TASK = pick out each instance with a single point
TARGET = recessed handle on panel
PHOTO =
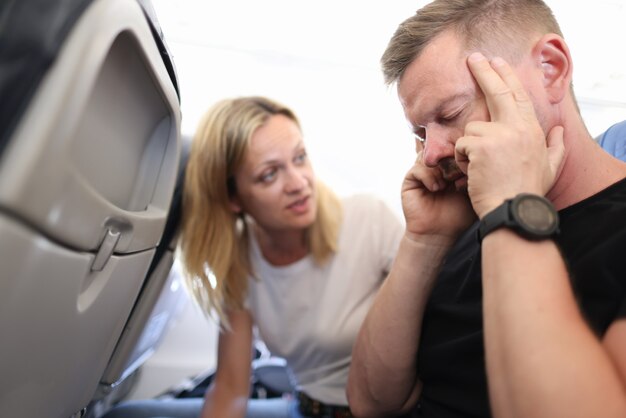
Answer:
(109, 242)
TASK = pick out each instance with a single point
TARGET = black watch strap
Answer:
(497, 218)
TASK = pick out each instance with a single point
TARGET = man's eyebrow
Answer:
(446, 102)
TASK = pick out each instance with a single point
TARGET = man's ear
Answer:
(552, 53)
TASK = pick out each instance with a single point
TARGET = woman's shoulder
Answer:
(362, 200)
(363, 206)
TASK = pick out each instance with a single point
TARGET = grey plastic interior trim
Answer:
(57, 334)
(99, 143)
(86, 182)
(160, 301)
(109, 242)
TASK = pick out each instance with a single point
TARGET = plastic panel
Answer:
(95, 153)
(161, 298)
(57, 333)
(116, 143)
(99, 144)
(160, 301)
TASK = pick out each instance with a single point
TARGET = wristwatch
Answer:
(531, 216)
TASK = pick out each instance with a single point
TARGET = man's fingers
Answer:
(420, 176)
(461, 153)
(478, 128)
(504, 92)
(556, 148)
(504, 70)
(500, 101)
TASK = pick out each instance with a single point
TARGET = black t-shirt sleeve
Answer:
(621, 313)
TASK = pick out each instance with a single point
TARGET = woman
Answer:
(288, 257)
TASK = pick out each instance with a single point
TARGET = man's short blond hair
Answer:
(495, 27)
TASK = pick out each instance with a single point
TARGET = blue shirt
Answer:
(614, 140)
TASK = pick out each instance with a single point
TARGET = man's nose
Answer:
(437, 147)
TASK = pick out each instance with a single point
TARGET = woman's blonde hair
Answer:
(214, 239)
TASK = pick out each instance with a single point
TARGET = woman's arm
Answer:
(228, 394)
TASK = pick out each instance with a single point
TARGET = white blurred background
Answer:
(321, 59)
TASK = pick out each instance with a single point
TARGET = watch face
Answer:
(535, 214)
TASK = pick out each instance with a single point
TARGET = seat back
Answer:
(161, 298)
(86, 181)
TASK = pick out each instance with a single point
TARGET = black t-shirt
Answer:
(451, 359)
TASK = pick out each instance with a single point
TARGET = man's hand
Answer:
(510, 154)
(433, 208)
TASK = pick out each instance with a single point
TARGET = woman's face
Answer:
(275, 183)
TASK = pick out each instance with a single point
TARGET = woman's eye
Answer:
(268, 176)
(300, 158)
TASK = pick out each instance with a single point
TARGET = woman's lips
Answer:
(300, 205)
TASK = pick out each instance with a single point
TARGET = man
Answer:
(511, 315)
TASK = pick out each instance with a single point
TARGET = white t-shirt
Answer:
(310, 315)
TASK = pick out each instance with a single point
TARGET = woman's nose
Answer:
(296, 180)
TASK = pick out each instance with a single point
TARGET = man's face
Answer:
(439, 97)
